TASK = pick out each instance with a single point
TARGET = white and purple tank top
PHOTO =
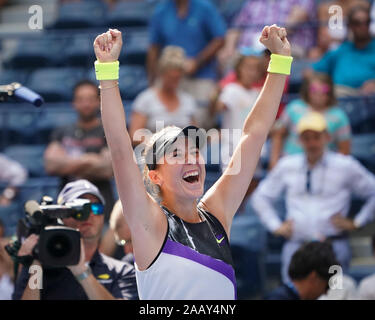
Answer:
(194, 263)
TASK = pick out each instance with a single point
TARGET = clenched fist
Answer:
(274, 38)
(107, 46)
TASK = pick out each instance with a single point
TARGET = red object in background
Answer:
(231, 77)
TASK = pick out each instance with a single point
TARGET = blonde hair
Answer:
(172, 57)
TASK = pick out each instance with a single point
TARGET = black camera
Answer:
(58, 245)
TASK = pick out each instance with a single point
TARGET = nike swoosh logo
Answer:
(220, 241)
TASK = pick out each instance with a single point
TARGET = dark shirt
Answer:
(59, 284)
(77, 141)
(284, 292)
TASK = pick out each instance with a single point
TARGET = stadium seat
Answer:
(296, 75)
(248, 243)
(80, 51)
(55, 84)
(81, 14)
(9, 76)
(247, 230)
(275, 244)
(363, 148)
(135, 49)
(36, 51)
(130, 14)
(50, 119)
(36, 188)
(19, 125)
(10, 215)
(361, 113)
(229, 8)
(29, 156)
(133, 80)
(211, 178)
(359, 272)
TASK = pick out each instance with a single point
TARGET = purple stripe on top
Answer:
(178, 249)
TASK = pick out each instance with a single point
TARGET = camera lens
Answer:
(59, 245)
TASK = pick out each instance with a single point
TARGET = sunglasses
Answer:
(96, 208)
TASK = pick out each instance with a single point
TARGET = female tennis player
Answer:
(181, 244)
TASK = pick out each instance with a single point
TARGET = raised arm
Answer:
(146, 221)
(226, 195)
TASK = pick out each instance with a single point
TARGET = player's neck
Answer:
(187, 210)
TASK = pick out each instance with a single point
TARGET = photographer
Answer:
(96, 276)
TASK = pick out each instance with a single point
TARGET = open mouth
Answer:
(191, 176)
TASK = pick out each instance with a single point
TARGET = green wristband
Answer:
(280, 64)
(107, 70)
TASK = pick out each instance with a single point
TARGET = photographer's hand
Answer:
(28, 245)
(27, 250)
(81, 266)
(82, 272)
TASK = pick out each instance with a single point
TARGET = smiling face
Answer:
(182, 173)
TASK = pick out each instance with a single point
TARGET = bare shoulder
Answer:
(148, 234)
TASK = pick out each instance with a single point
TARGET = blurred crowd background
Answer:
(208, 71)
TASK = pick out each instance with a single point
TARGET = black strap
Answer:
(12, 249)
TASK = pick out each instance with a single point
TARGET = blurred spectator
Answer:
(366, 288)
(197, 27)
(6, 268)
(237, 99)
(351, 65)
(164, 101)
(96, 276)
(80, 149)
(262, 69)
(329, 37)
(295, 15)
(117, 240)
(12, 175)
(318, 186)
(309, 273)
(317, 95)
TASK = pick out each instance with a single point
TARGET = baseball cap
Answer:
(314, 121)
(250, 51)
(168, 137)
(73, 190)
